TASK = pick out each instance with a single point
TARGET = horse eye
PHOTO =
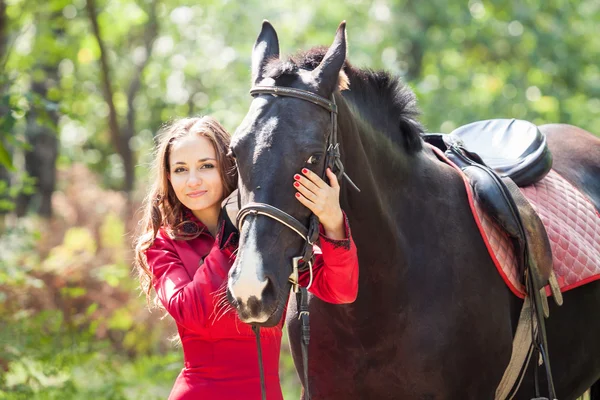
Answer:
(314, 159)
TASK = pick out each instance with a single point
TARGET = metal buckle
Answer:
(293, 279)
(295, 276)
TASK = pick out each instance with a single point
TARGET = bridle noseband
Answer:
(310, 234)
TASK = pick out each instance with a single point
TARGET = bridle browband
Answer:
(310, 234)
(333, 156)
(297, 93)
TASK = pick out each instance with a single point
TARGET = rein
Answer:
(310, 234)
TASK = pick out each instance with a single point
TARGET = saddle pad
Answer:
(572, 224)
(573, 227)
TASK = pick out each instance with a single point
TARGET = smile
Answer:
(196, 194)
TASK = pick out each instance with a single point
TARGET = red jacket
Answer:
(220, 354)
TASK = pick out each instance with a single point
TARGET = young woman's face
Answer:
(194, 174)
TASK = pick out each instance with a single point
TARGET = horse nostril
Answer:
(253, 305)
(237, 302)
(269, 289)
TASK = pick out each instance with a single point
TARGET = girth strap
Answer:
(521, 353)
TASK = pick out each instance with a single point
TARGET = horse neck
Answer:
(402, 195)
(382, 170)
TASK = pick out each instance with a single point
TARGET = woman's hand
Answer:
(323, 200)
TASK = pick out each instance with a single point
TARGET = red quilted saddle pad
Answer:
(572, 224)
(573, 227)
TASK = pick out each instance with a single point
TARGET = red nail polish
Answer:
(296, 184)
(304, 171)
(297, 177)
(298, 195)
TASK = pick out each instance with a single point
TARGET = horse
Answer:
(433, 318)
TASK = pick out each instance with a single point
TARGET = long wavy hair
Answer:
(161, 208)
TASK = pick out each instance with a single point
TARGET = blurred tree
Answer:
(122, 134)
(41, 131)
(5, 161)
(121, 75)
(3, 38)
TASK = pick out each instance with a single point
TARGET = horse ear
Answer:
(265, 48)
(328, 72)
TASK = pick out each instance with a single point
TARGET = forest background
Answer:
(86, 84)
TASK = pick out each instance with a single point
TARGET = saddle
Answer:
(498, 156)
(511, 147)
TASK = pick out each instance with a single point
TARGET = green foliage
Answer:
(17, 257)
(48, 362)
(5, 158)
(475, 60)
(63, 341)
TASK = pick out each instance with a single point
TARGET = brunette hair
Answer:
(161, 208)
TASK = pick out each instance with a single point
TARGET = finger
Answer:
(307, 183)
(306, 192)
(314, 178)
(309, 204)
(333, 180)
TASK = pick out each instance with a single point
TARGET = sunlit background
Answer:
(85, 85)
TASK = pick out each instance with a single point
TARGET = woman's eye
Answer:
(314, 160)
(207, 166)
(179, 169)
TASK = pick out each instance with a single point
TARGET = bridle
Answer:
(310, 234)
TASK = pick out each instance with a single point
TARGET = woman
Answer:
(187, 247)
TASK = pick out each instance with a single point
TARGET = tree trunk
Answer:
(4, 175)
(3, 35)
(40, 160)
(121, 135)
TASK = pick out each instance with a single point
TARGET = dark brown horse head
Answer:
(278, 137)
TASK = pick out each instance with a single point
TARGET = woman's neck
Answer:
(209, 217)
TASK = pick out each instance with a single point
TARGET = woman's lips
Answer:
(196, 194)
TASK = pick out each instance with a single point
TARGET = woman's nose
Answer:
(194, 179)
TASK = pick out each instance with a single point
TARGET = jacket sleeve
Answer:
(190, 300)
(335, 271)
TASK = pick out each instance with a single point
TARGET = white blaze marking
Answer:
(248, 284)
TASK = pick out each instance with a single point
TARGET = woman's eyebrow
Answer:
(200, 160)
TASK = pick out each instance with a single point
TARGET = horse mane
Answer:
(376, 94)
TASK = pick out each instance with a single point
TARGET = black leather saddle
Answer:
(511, 147)
(498, 156)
